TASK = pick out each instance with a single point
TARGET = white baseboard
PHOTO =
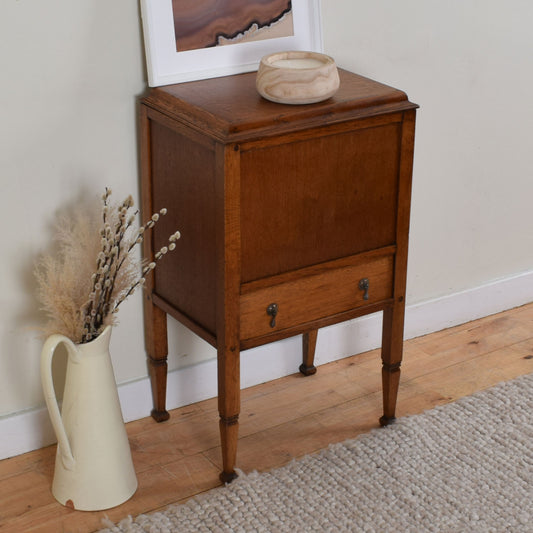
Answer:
(30, 430)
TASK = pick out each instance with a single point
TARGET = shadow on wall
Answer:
(28, 328)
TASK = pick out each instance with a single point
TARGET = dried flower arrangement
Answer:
(95, 269)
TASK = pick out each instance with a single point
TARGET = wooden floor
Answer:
(280, 420)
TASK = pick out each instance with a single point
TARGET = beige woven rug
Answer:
(464, 467)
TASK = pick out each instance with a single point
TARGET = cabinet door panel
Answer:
(306, 202)
(183, 181)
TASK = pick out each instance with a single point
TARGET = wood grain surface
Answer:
(262, 192)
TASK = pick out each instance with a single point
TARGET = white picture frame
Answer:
(166, 66)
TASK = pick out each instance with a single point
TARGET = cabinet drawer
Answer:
(314, 293)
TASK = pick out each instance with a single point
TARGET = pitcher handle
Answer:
(47, 355)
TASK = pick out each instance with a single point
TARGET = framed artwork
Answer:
(195, 39)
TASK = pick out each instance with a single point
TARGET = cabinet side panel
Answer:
(311, 201)
(183, 173)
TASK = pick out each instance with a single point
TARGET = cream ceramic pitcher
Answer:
(93, 468)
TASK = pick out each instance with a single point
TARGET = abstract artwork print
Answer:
(207, 23)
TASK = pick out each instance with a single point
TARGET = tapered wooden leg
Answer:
(307, 368)
(229, 408)
(228, 285)
(391, 354)
(155, 331)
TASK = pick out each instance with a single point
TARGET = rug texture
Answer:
(463, 467)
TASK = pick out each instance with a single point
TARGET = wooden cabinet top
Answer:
(230, 108)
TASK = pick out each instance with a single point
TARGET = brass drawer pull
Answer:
(272, 310)
(364, 285)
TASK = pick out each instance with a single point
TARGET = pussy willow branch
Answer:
(115, 260)
(151, 266)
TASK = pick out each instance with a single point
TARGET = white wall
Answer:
(71, 73)
(469, 65)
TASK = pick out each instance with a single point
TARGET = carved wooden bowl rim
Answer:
(269, 59)
(297, 84)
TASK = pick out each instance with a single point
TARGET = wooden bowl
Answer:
(297, 77)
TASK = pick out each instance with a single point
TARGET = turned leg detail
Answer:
(229, 434)
(307, 368)
(391, 380)
(229, 408)
(155, 327)
(391, 354)
(158, 379)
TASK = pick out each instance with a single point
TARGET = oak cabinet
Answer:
(292, 218)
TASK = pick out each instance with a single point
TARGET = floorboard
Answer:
(280, 420)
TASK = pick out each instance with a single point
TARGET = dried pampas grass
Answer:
(94, 269)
